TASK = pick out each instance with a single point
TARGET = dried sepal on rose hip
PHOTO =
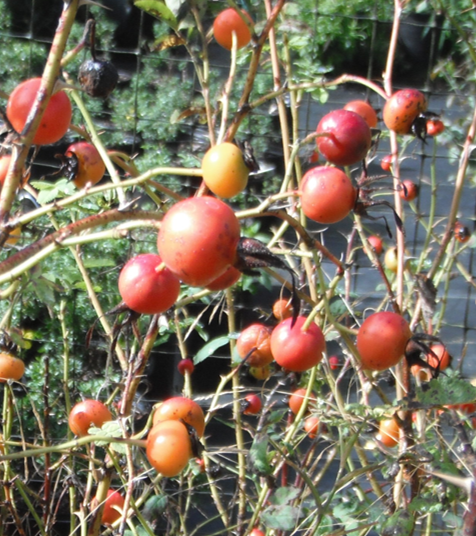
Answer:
(252, 254)
(436, 360)
(82, 164)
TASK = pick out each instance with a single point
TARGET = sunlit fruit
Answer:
(86, 414)
(327, 194)
(409, 190)
(169, 447)
(113, 506)
(376, 243)
(296, 348)
(252, 404)
(297, 399)
(226, 280)
(382, 339)
(311, 426)
(147, 286)
(198, 238)
(55, 120)
(344, 137)
(402, 108)
(224, 170)
(180, 408)
(282, 309)
(11, 367)
(389, 432)
(365, 110)
(229, 22)
(255, 338)
(84, 164)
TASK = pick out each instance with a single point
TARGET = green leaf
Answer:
(285, 495)
(154, 507)
(159, 10)
(400, 523)
(42, 185)
(446, 390)
(109, 429)
(46, 196)
(258, 455)
(99, 263)
(210, 348)
(44, 290)
(138, 531)
(283, 517)
(426, 506)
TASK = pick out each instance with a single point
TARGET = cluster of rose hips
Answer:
(177, 425)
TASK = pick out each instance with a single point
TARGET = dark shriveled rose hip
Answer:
(98, 78)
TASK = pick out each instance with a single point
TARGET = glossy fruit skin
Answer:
(227, 22)
(181, 408)
(376, 243)
(402, 108)
(390, 260)
(257, 532)
(226, 280)
(409, 190)
(169, 447)
(461, 232)
(185, 366)
(386, 162)
(365, 110)
(382, 339)
(198, 238)
(311, 426)
(297, 398)
(224, 170)
(86, 414)
(349, 137)
(327, 194)
(89, 167)
(11, 367)
(256, 336)
(114, 499)
(389, 432)
(282, 309)
(147, 286)
(294, 349)
(253, 404)
(434, 127)
(56, 118)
